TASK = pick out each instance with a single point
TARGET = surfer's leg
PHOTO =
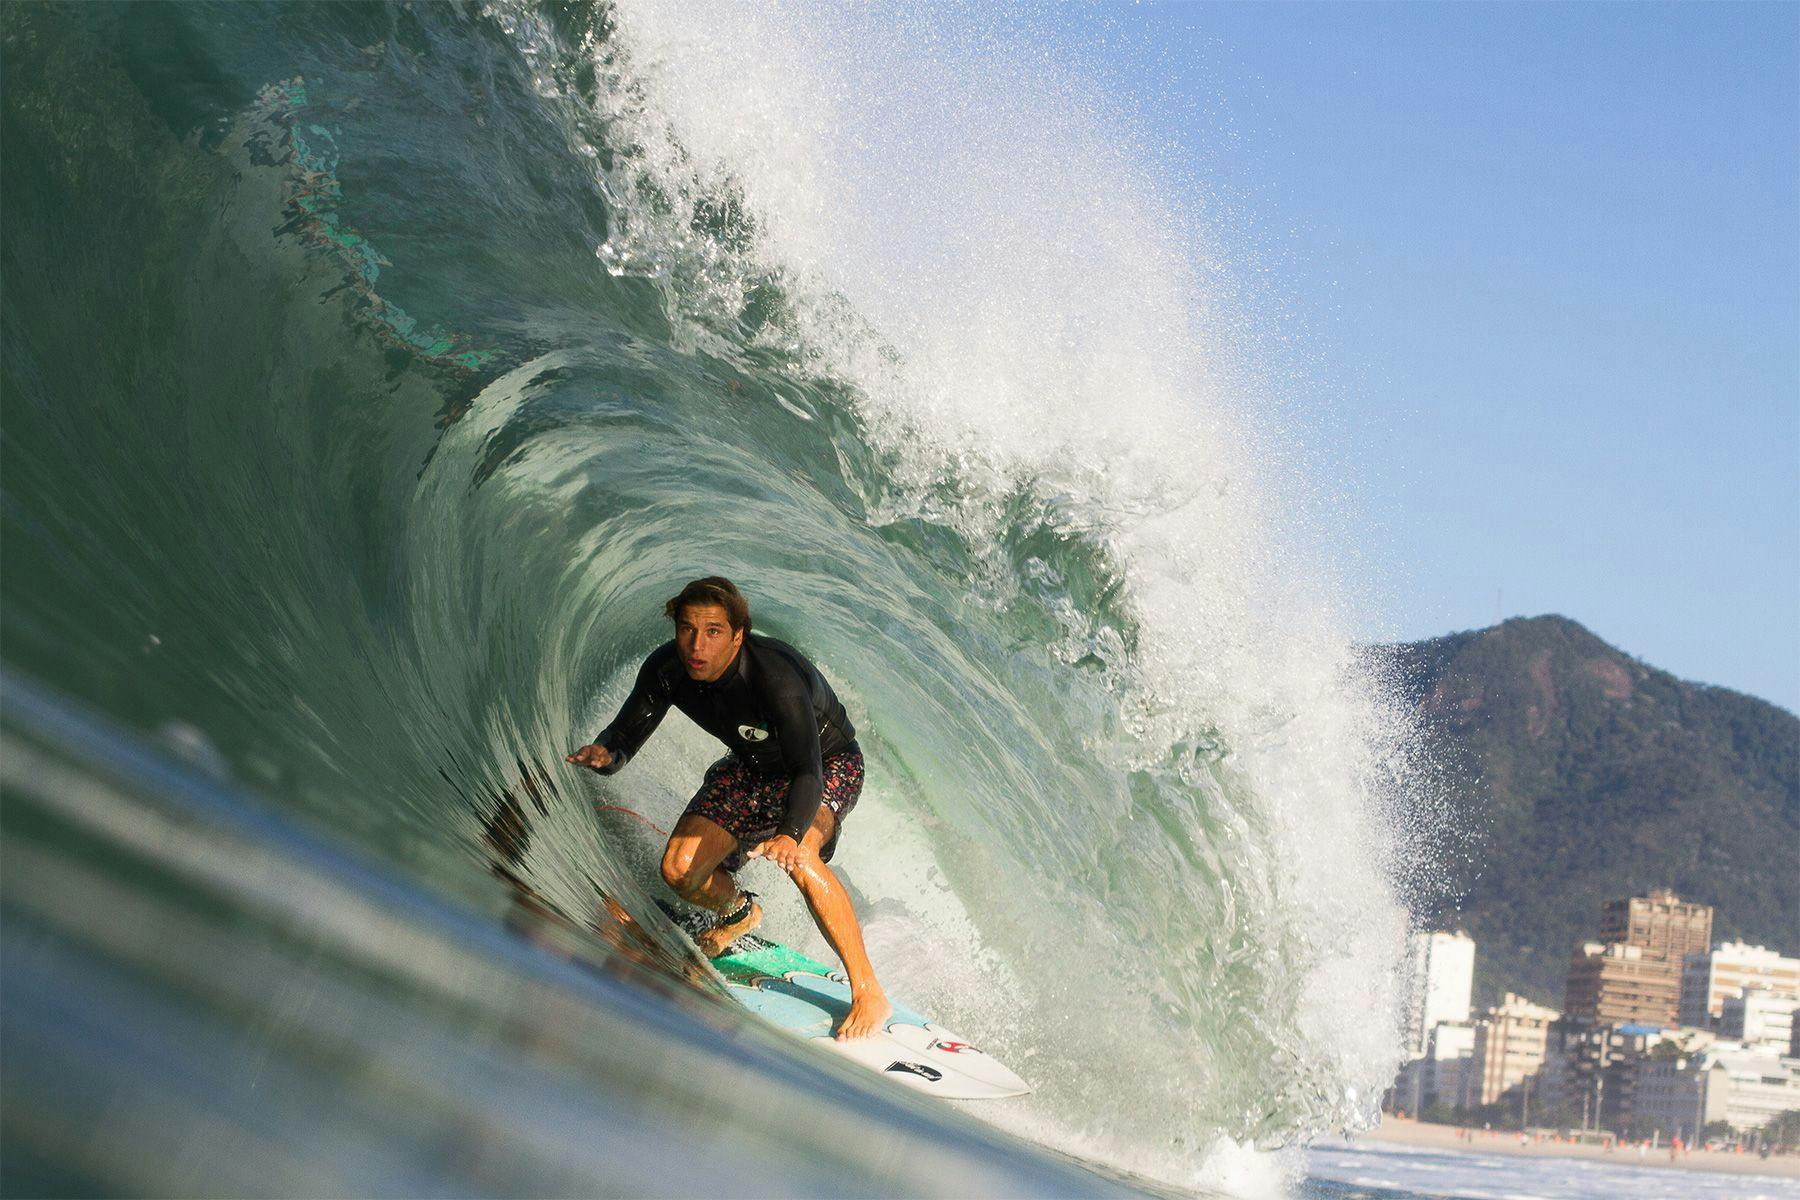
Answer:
(690, 863)
(831, 910)
(690, 866)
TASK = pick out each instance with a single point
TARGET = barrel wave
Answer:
(372, 374)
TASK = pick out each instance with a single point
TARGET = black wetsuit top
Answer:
(771, 707)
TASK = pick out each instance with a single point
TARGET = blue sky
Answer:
(1544, 264)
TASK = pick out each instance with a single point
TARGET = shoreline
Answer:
(1403, 1131)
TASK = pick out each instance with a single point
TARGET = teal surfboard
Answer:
(808, 999)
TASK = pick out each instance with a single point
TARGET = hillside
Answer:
(1586, 775)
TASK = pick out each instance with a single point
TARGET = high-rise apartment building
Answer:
(1662, 923)
(1618, 984)
(1443, 966)
(1710, 978)
(1508, 1050)
(1601, 1067)
(1633, 974)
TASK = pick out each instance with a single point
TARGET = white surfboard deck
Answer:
(809, 999)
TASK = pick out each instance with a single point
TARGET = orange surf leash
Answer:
(620, 808)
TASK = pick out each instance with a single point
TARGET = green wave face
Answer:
(372, 374)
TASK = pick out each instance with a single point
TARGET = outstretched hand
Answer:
(595, 757)
(781, 850)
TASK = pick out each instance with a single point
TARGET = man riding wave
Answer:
(794, 773)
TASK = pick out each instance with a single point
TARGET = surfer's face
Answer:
(706, 641)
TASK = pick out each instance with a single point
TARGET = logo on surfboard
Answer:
(919, 1069)
(953, 1047)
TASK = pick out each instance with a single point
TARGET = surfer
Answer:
(793, 775)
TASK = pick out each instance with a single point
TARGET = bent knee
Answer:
(679, 870)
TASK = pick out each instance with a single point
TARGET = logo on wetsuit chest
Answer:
(751, 733)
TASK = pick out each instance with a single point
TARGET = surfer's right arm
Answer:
(594, 756)
(638, 717)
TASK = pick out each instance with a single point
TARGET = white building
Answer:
(1436, 1077)
(1447, 1059)
(1760, 1019)
(1443, 979)
(1744, 1088)
(1708, 980)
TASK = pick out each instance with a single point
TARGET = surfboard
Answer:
(808, 998)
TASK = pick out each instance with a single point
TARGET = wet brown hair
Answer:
(714, 589)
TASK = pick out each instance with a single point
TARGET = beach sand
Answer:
(1449, 1137)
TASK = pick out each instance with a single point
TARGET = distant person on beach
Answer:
(793, 775)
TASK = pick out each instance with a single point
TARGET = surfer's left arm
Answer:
(797, 727)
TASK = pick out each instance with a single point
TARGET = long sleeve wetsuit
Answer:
(771, 708)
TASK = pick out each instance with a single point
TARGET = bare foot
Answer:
(868, 1013)
(718, 939)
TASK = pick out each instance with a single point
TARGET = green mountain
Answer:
(1577, 774)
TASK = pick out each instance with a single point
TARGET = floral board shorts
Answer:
(750, 806)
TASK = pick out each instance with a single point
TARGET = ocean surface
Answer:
(1364, 1170)
(371, 375)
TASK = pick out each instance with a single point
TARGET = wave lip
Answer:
(1053, 364)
